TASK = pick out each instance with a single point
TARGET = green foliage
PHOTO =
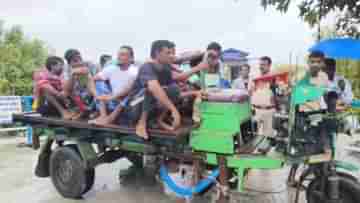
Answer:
(311, 11)
(351, 71)
(19, 57)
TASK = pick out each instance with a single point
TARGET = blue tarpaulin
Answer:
(344, 48)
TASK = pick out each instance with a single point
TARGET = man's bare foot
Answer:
(68, 115)
(77, 116)
(141, 131)
(101, 120)
(162, 123)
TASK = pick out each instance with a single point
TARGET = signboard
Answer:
(8, 106)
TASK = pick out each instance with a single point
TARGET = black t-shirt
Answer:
(148, 72)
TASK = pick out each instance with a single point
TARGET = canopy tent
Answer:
(234, 55)
(233, 58)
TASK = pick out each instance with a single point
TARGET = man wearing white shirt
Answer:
(121, 76)
(338, 83)
(343, 88)
(242, 82)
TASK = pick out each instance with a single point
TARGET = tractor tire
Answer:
(68, 172)
(90, 173)
(349, 190)
(90, 180)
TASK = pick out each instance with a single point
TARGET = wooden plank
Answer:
(28, 118)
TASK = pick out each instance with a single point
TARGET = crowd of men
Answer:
(121, 91)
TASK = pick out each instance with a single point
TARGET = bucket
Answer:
(262, 185)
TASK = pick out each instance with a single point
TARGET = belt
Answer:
(264, 107)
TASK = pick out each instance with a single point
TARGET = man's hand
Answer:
(80, 71)
(105, 98)
(177, 118)
(204, 66)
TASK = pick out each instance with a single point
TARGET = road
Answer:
(18, 183)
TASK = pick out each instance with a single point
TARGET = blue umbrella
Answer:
(339, 48)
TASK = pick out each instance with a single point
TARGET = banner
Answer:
(8, 106)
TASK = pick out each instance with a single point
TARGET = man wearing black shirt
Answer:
(155, 80)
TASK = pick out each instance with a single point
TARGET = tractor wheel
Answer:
(68, 173)
(90, 180)
(349, 190)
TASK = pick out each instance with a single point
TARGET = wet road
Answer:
(18, 184)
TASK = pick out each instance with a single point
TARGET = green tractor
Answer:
(225, 143)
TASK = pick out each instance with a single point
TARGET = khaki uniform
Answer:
(262, 101)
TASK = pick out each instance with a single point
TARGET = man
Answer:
(216, 74)
(315, 77)
(104, 60)
(121, 77)
(155, 81)
(338, 83)
(77, 78)
(242, 82)
(262, 99)
(343, 88)
(48, 87)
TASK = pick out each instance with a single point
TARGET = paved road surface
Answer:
(18, 184)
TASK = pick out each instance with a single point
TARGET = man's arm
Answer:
(51, 90)
(158, 92)
(187, 56)
(91, 86)
(124, 93)
(185, 75)
(68, 87)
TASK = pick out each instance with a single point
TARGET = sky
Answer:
(101, 27)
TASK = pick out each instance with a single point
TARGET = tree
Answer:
(312, 11)
(19, 57)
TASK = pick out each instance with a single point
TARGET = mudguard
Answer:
(42, 165)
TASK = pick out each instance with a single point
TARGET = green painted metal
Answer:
(346, 165)
(133, 146)
(220, 122)
(86, 150)
(213, 141)
(248, 161)
(241, 174)
(305, 93)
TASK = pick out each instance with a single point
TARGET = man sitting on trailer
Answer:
(181, 78)
(121, 77)
(48, 87)
(77, 80)
(155, 87)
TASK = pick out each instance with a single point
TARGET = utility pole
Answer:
(319, 20)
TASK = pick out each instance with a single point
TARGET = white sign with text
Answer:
(8, 106)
